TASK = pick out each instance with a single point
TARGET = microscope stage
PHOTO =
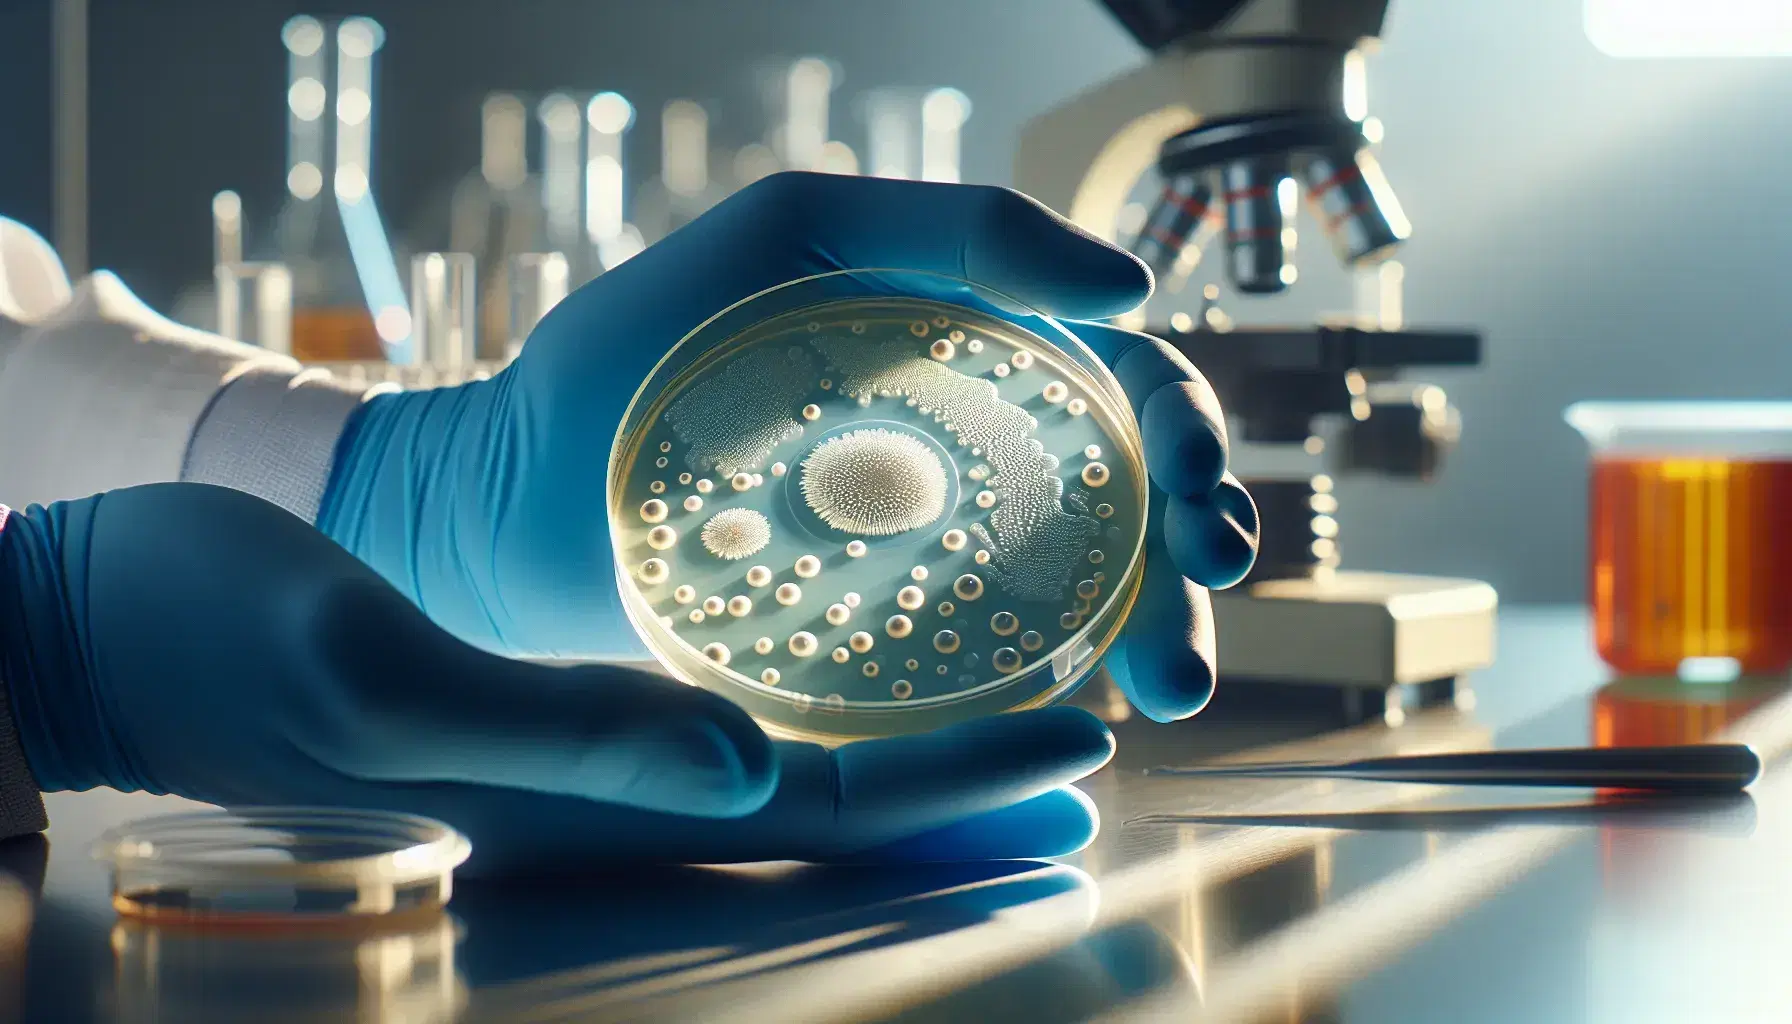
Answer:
(1355, 629)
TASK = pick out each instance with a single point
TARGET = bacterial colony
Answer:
(866, 506)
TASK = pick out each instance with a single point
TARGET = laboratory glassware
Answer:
(280, 866)
(684, 187)
(348, 298)
(1689, 560)
(538, 281)
(496, 212)
(444, 324)
(876, 502)
(254, 304)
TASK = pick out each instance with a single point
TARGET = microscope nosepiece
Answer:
(1352, 199)
(1174, 223)
(1259, 228)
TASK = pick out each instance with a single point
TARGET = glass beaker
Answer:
(254, 304)
(1689, 560)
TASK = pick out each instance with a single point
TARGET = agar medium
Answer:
(917, 511)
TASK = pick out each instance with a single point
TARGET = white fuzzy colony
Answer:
(736, 533)
(874, 482)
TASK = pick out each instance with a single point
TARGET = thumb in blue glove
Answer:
(186, 639)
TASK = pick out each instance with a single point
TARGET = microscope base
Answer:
(1363, 645)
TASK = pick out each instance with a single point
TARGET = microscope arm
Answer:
(1083, 158)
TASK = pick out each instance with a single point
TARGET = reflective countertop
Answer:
(1268, 900)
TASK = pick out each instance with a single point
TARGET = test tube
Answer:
(562, 132)
(684, 148)
(227, 228)
(444, 335)
(538, 281)
(255, 304)
(503, 137)
(307, 98)
(891, 131)
(943, 114)
(807, 87)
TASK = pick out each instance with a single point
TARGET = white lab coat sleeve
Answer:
(108, 394)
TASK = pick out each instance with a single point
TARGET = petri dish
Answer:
(281, 866)
(869, 503)
(1688, 559)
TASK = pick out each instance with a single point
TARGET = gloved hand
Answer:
(187, 639)
(486, 503)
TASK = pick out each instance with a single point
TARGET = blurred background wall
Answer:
(1615, 227)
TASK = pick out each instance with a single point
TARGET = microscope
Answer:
(1242, 106)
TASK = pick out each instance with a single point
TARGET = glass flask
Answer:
(878, 502)
(1689, 561)
(348, 298)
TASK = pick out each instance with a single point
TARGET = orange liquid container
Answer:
(335, 335)
(1690, 558)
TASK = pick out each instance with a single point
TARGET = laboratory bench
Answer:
(1264, 900)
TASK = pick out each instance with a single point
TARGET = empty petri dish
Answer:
(281, 866)
(915, 500)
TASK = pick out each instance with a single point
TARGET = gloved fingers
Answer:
(994, 237)
(1057, 823)
(882, 790)
(1180, 419)
(1165, 661)
(420, 705)
(829, 804)
(1212, 539)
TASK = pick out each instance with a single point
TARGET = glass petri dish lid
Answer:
(877, 502)
(281, 866)
(1711, 429)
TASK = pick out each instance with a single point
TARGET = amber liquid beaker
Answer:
(1690, 555)
(334, 335)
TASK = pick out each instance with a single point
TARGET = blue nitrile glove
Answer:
(486, 503)
(181, 638)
